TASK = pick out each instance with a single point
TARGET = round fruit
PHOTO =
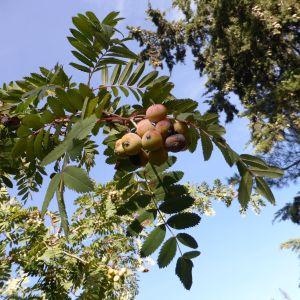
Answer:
(131, 143)
(143, 126)
(176, 143)
(156, 112)
(152, 140)
(140, 159)
(158, 157)
(165, 127)
(116, 278)
(119, 150)
(181, 127)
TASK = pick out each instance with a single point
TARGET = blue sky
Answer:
(241, 259)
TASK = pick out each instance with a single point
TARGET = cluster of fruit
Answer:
(155, 136)
(116, 275)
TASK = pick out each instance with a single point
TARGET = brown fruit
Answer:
(152, 140)
(156, 112)
(158, 157)
(165, 127)
(131, 143)
(140, 159)
(176, 143)
(143, 126)
(182, 128)
(119, 150)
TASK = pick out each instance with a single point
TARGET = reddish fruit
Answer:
(152, 140)
(119, 150)
(143, 126)
(165, 127)
(156, 112)
(176, 143)
(140, 159)
(131, 143)
(158, 157)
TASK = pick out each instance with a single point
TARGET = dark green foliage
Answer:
(48, 120)
(246, 48)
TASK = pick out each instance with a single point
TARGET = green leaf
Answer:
(104, 72)
(62, 212)
(126, 73)
(23, 131)
(176, 205)
(184, 271)
(179, 106)
(187, 240)
(147, 79)
(184, 220)
(100, 108)
(136, 74)
(56, 107)
(191, 254)
(207, 145)
(245, 189)
(79, 131)
(137, 225)
(253, 161)
(230, 156)
(32, 121)
(167, 252)
(115, 74)
(271, 172)
(80, 67)
(19, 147)
(77, 179)
(137, 201)
(83, 59)
(53, 186)
(37, 146)
(153, 241)
(263, 188)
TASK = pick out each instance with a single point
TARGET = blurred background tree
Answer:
(245, 48)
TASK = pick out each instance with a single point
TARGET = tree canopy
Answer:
(245, 48)
(50, 127)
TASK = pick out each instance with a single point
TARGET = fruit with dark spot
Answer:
(158, 157)
(132, 143)
(119, 150)
(175, 143)
(12, 122)
(156, 112)
(182, 128)
(152, 140)
(140, 159)
(143, 126)
(165, 127)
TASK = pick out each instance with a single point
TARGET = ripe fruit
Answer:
(156, 112)
(158, 157)
(143, 126)
(181, 127)
(175, 143)
(140, 159)
(119, 150)
(131, 143)
(165, 127)
(152, 140)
